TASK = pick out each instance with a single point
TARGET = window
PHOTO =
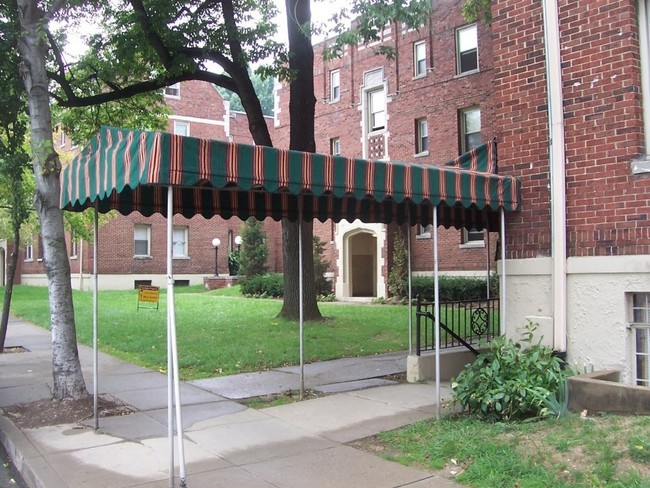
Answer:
(419, 59)
(376, 110)
(181, 128)
(470, 129)
(472, 238)
(142, 238)
(179, 241)
(73, 246)
(335, 85)
(173, 91)
(29, 252)
(335, 146)
(467, 49)
(641, 327)
(62, 141)
(423, 231)
(421, 136)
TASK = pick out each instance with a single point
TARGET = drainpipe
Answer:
(557, 172)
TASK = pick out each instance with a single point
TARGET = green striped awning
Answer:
(128, 170)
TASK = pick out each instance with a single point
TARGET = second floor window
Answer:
(419, 59)
(421, 136)
(335, 146)
(376, 110)
(29, 252)
(142, 240)
(470, 129)
(335, 85)
(467, 49)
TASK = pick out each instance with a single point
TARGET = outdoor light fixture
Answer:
(238, 241)
(215, 243)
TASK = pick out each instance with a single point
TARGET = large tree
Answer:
(34, 18)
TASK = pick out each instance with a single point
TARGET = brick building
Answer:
(132, 248)
(579, 252)
(429, 104)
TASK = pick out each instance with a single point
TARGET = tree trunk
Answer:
(302, 107)
(9, 288)
(66, 368)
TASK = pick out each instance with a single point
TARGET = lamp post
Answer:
(215, 243)
(238, 241)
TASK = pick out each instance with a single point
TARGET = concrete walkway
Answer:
(226, 444)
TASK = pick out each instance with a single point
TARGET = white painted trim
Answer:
(183, 118)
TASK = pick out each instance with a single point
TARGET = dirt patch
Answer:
(13, 349)
(42, 413)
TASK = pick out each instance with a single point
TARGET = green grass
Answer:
(220, 332)
(571, 452)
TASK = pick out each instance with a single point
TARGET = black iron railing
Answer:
(464, 323)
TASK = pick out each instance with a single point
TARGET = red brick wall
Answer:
(607, 206)
(438, 96)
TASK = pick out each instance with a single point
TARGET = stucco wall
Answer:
(597, 306)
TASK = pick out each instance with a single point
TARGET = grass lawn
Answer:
(572, 452)
(220, 332)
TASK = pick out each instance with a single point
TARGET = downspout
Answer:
(557, 172)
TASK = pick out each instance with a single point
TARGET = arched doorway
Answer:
(362, 252)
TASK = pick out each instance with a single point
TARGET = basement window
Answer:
(640, 322)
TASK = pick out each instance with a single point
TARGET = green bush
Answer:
(254, 252)
(454, 288)
(233, 262)
(509, 382)
(323, 285)
(263, 286)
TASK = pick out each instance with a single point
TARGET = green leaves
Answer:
(511, 382)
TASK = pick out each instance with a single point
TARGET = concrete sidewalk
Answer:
(226, 444)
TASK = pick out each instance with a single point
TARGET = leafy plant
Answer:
(263, 286)
(254, 251)
(398, 275)
(455, 288)
(323, 285)
(510, 381)
(556, 404)
(233, 262)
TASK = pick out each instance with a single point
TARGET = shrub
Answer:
(263, 286)
(454, 288)
(254, 251)
(509, 382)
(233, 262)
(398, 275)
(323, 285)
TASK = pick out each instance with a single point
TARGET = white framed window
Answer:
(179, 241)
(472, 238)
(335, 146)
(73, 246)
(173, 91)
(470, 129)
(335, 85)
(181, 128)
(423, 231)
(421, 136)
(640, 322)
(419, 59)
(29, 252)
(62, 139)
(142, 240)
(467, 49)
(376, 103)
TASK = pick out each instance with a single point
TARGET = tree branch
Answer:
(154, 39)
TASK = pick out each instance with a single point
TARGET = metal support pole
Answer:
(502, 281)
(410, 292)
(436, 301)
(301, 300)
(95, 317)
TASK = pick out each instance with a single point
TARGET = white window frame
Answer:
(639, 315)
(73, 246)
(466, 44)
(468, 238)
(423, 231)
(29, 252)
(644, 51)
(335, 146)
(335, 85)
(172, 91)
(421, 136)
(375, 97)
(464, 131)
(419, 59)
(147, 230)
(181, 127)
(180, 244)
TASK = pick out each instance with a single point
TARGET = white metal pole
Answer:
(301, 300)
(487, 254)
(410, 297)
(171, 319)
(502, 281)
(436, 301)
(95, 315)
